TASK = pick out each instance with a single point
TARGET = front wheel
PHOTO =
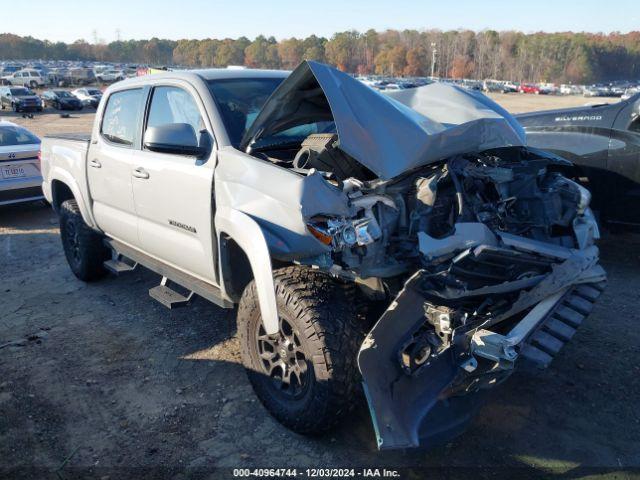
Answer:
(306, 375)
(82, 246)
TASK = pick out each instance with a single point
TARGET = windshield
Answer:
(239, 101)
(295, 134)
(20, 92)
(63, 94)
(94, 92)
(11, 135)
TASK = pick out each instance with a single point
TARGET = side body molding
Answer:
(249, 236)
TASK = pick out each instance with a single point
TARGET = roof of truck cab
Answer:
(204, 74)
(225, 73)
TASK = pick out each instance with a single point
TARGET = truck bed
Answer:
(77, 137)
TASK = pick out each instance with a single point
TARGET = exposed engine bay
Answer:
(481, 230)
(482, 250)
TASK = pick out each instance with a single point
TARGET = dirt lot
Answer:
(97, 378)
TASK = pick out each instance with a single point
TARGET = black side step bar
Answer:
(163, 293)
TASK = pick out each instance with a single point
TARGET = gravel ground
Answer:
(98, 378)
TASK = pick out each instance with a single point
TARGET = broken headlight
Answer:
(341, 233)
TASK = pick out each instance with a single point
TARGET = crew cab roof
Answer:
(204, 74)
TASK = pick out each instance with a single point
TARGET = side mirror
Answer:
(174, 138)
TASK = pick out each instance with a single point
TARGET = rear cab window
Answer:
(121, 117)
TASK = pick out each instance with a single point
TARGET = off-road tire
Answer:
(82, 246)
(322, 312)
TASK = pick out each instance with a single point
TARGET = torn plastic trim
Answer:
(502, 348)
(465, 235)
(437, 401)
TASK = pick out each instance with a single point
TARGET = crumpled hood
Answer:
(387, 133)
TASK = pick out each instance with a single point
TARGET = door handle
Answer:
(95, 163)
(141, 173)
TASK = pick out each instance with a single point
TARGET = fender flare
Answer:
(66, 178)
(246, 232)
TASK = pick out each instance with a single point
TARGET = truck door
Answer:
(624, 165)
(110, 163)
(173, 192)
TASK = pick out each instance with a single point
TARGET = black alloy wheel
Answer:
(283, 359)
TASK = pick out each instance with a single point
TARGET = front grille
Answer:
(486, 265)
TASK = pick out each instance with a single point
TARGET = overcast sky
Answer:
(69, 20)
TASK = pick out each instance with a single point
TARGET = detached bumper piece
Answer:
(560, 326)
(431, 398)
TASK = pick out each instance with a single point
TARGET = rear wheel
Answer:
(82, 246)
(306, 375)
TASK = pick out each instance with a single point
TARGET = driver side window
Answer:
(635, 125)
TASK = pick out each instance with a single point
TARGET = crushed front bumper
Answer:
(435, 403)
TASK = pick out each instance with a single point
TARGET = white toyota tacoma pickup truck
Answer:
(409, 246)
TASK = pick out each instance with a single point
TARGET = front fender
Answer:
(249, 236)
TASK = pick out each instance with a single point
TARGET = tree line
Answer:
(509, 55)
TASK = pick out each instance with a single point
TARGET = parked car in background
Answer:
(19, 99)
(61, 100)
(27, 77)
(566, 89)
(59, 77)
(510, 87)
(90, 97)
(530, 88)
(81, 76)
(597, 91)
(110, 76)
(548, 89)
(630, 92)
(8, 70)
(20, 178)
(498, 86)
(493, 86)
(603, 142)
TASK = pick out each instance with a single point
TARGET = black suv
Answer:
(19, 99)
(61, 100)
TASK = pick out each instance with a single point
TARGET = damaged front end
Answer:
(482, 249)
(507, 270)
